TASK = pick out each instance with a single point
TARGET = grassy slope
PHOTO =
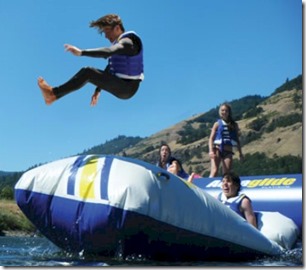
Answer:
(12, 220)
(281, 142)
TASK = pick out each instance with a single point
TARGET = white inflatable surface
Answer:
(59, 198)
(278, 228)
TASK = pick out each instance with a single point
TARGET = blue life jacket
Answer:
(233, 203)
(225, 136)
(127, 67)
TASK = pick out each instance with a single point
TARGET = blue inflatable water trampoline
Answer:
(103, 204)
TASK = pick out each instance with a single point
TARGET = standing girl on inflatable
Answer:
(224, 136)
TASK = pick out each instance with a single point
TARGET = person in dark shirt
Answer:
(121, 77)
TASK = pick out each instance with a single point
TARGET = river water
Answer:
(39, 251)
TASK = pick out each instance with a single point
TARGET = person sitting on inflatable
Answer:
(234, 199)
(170, 163)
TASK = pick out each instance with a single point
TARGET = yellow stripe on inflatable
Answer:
(88, 179)
(188, 184)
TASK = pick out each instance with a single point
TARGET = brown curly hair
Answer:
(234, 177)
(107, 20)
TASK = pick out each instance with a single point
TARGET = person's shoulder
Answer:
(244, 198)
(131, 37)
(132, 33)
(216, 124)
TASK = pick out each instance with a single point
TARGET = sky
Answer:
(197, 54)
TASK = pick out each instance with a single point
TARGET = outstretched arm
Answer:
(103, 52)
(74, 50)
(124, 46)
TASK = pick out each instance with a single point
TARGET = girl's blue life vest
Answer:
(127, 67)
(225, 136)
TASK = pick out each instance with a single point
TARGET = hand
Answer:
(94, 98)
(74, 50)
(191, 177)
(212, 154)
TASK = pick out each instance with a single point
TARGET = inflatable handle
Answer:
(163, 175)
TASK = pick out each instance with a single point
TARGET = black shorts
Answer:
(225, 153)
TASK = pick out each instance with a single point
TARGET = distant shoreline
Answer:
(17, 233)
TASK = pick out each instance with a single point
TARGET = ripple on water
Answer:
(38, 251)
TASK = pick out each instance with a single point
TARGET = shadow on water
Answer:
(38, 251)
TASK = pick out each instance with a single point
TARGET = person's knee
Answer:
(86, 69)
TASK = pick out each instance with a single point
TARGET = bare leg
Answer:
(227, 164)
(214, 164)
(46, 90)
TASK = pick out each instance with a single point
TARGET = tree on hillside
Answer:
(294, 84)
(7, 193)
(260, 164)
(113, 146)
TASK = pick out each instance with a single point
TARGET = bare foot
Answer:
(46, 90)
